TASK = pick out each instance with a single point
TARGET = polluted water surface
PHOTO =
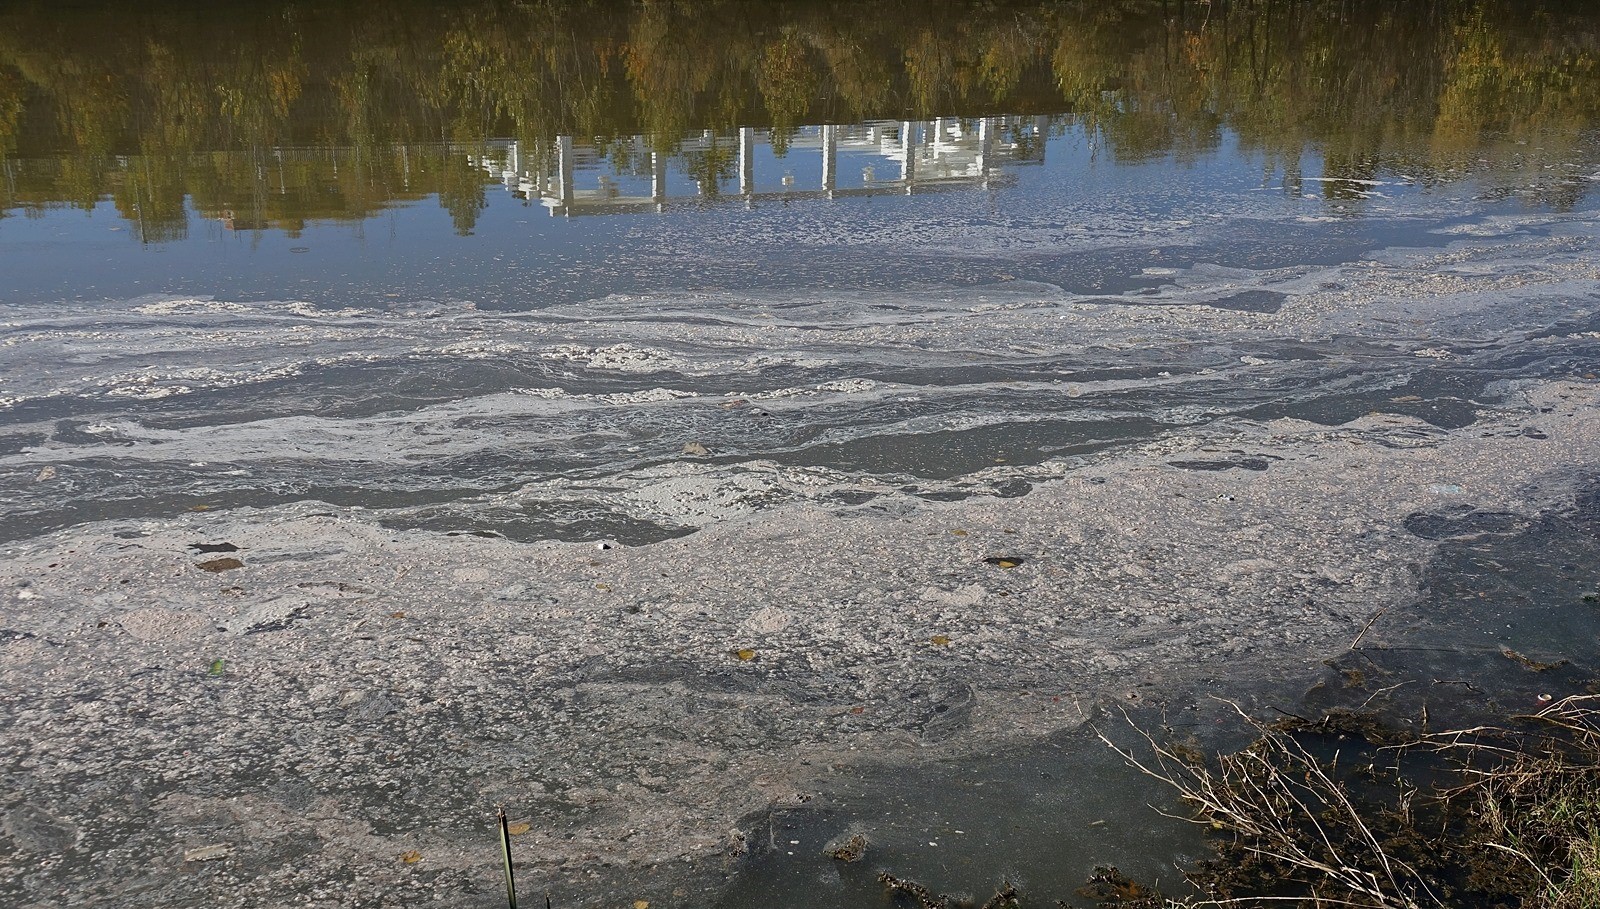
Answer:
(763, 446)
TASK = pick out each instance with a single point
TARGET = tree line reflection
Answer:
(293, 112)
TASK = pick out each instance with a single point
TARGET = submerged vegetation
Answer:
(150, 105)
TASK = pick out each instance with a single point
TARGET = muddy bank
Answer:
(322, 698)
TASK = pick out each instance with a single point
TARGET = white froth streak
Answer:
(522, 418)
(157, 348)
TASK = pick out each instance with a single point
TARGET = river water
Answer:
(974, 370)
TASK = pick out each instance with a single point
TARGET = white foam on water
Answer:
(811, 368)
(176, 306)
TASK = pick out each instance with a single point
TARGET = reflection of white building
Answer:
(873, 158)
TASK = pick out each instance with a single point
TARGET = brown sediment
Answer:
(1529, 662)
(1109, 888)
(851, 850)
(1004, 898)
(924, 897)
(219, 565)
(1366, 725)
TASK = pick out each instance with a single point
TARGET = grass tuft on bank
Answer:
(1339, 813)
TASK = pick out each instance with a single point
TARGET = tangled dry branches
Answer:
(1283, 805)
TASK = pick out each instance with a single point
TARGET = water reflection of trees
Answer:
(150, 104)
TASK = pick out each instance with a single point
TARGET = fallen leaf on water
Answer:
(218, 667)
(200, 508)
(744, 654)
(958, 532)
(207, 853)
(518, 829)
(411, 856)
(216, 565)
(940, 640)
(641, 904)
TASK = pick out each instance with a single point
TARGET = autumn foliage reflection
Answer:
(291, 112)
